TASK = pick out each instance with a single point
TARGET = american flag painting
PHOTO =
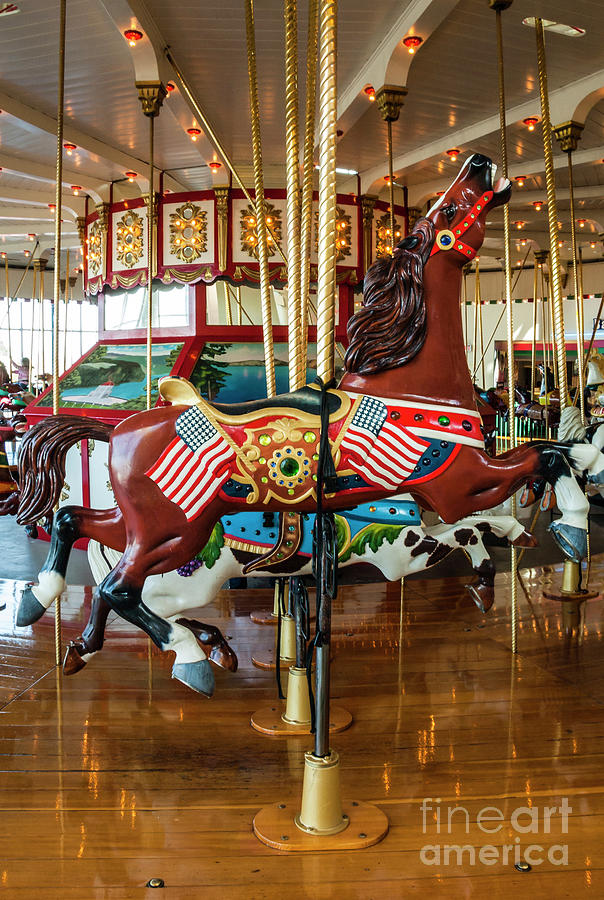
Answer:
(379, 449)
(195, 465)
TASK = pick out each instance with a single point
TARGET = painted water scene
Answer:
(230, 373)
(114, 376)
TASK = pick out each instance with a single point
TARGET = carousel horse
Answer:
(388, 536)
(403, 419)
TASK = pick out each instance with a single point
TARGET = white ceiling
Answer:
(451, 101)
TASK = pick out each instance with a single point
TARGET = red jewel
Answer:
(395, 415)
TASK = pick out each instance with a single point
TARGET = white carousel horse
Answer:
(376, 538)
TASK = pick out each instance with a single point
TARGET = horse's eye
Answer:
(450, 211)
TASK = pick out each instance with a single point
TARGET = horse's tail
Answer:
(42, 461)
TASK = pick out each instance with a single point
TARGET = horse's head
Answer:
(459, 216)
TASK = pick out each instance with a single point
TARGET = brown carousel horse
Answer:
(404, 418)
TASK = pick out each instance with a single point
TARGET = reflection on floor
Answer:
(119, 774)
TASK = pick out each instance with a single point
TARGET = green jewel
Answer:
(289, 467)
(290, 491)
(314, 478)
(309, 437)
(315, 456)
(264, 439)
(264, 479)
(443, 420)
(262, 460)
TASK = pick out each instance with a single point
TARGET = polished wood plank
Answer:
(119, 773)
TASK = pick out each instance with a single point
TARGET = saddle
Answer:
(279, 450)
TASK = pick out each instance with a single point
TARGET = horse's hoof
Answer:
(527, 497)
(482, 595)
(197, 675)
(571, 540)
(548, 500)
(597, 479)
(224, 657)
(73, 661)
(526, 539)
(30, 608)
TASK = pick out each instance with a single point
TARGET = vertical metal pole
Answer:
(509, 306)
(57, 269)
(66, 302)
(10, 349)
(534, 342)
(326, 289)
(576, 288)
(391, 184)
(150, 233)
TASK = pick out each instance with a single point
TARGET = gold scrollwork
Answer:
(383, 243)
(95, 247)
(343, 238)
(249, 229)
(188, 232)
(129, 244)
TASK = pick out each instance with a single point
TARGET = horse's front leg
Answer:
(69, 524)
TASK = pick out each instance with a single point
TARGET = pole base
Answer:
(269, 720)
(265, 659)
(570, 596)
(263, 617)
(275, 826)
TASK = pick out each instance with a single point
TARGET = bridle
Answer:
(451, 240)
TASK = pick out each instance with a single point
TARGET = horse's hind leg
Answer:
(212, 639)
(70, 523)
(122, 591)
(92, 638)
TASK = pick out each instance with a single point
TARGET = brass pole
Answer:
(10, 349)
(57, 269)
(391, 183)
(227, 305)
(509, 304)
(150, 234)
(534, 342)
(578, 293)
(475, 338)
(218, 143)
(65, 322)
(465, 311)
(43, 329)
(308, 176)
(240, 309)
(297, 368)
(582, 304)
(31, 334)
(552, 214)
(326, 280)
(265, 286)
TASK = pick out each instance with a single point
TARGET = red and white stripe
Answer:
(386, 460)
(192, 478)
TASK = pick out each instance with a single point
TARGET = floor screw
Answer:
(155, 883)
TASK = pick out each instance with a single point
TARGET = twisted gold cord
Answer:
(265, 287)
(326, 281)
(534, 342)
(552, 215)
(308, 177)
(297, 370)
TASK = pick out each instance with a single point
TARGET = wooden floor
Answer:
(119, 774)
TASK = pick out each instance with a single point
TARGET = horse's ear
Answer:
(408, 243)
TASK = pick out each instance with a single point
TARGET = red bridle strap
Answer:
(451, 240)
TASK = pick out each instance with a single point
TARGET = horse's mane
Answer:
(390, 328)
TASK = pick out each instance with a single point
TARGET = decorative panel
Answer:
(188, 233)
(129, 239)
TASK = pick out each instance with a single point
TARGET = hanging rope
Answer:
(308, 176)
(265, 286)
